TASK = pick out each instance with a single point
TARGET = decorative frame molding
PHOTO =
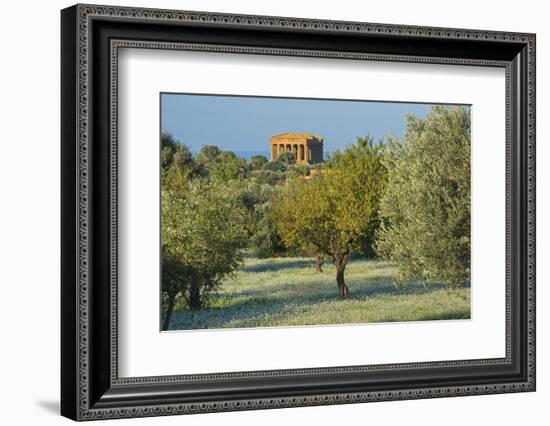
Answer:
(91, 37)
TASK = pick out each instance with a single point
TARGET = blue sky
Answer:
(239, 123)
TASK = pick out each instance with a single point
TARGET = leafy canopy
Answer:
(202, 234)
(333, 210)
(426, 206)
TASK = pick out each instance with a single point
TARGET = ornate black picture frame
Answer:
(91, 36)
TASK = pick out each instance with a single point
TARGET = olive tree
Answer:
(425, 209)
(202, 237)
(178, 166)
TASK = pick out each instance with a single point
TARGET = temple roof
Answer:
(292, 135)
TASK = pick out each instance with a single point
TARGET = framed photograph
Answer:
(263, 212)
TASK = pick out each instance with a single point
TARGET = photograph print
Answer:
(279, 212)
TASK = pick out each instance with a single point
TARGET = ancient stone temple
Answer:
(306, 147)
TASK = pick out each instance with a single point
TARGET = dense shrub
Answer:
(425, 209)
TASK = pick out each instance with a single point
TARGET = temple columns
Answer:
(301, 151)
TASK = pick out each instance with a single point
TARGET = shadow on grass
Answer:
(253, 306)
(222, 317)
(281, 263)
(459, 314)
(278, 265)
(359, 289)
(249, 314)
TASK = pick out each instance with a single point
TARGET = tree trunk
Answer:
(195, 297)
(340, 263)
(319, 262)
(171, 303)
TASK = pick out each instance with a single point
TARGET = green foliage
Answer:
(286, 157)
(177, 165)
(212, 208)
(202, 237)
(167, 149)
(357, 179)
(228, 167)
(208, 155)
(267, 177)
(297, 170)
(275, 166)
(221, 165)
(426, 205)
(257, 162)
(265, 241)
(333, 210)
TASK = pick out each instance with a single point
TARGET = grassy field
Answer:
(288, 292)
